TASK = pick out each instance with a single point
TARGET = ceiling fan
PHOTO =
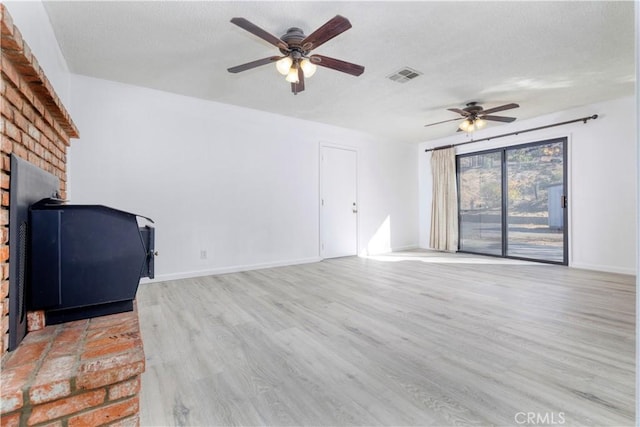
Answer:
(475, 116)
(296, 62)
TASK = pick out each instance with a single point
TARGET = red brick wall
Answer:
(34, 125)
(81, 373)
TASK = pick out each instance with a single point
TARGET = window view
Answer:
(480, 206)
(535, 225)
(525, 221)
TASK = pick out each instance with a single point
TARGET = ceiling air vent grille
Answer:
(404, 75)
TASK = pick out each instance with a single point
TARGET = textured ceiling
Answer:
(545, 56)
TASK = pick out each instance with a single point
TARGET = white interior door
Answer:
(338, 204)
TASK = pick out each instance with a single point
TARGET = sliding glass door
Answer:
(536, 202)
(480, 203)
(512, 202)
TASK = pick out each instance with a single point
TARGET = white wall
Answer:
(637, 25)
(602, 180)
(240, 184)
(33, 22)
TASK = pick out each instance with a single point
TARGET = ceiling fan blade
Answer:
(253, 64)
(333, 27)
(444, 121)
(337, 64)
(500, 108)
(498, 118)
(459, 111)
(257, 31)
(298, 87)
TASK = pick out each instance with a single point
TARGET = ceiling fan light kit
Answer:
(292, 74)
(470, 125)
(284, 65)
(308, 67)
(297, 62)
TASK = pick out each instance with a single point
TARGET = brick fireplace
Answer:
(85, 372)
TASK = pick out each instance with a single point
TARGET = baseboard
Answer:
(226, 270)
(604, 268)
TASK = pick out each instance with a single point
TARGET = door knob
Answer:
(354, 208)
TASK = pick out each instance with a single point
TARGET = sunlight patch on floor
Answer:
(442, 258)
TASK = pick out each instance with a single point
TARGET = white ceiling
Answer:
(545, 56)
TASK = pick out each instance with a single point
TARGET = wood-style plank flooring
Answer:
(414, 338)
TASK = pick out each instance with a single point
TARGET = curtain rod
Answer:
(583, 119)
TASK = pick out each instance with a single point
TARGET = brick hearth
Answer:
(85, 372)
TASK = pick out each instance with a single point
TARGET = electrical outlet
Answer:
(203, 254)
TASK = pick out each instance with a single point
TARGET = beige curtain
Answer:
(444, 205)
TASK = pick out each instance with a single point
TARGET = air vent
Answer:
(404, 75)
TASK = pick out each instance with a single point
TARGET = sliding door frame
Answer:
(505, 201)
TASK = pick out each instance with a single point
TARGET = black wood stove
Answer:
(86, 260)
(72, 261)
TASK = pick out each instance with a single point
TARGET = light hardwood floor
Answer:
(413, 338)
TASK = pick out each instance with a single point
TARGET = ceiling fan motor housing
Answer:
(473, 108)
(293, 37)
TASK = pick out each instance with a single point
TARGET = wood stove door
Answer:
(149, 240)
